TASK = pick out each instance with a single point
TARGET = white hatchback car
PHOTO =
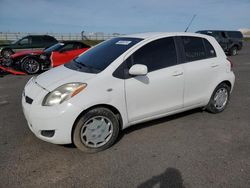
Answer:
(125, 81)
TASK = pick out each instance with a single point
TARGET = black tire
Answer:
(213, 106)
(6, 52)
(233, 51)
(30, 65)
(87, 120)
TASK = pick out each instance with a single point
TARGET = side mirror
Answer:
(138, 70)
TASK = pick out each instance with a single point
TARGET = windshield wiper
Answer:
(80, 65)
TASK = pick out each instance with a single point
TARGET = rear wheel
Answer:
(233, 51)
(96, 130)
(30, 65)
(219, 99)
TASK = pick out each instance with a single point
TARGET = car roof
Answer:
(163, 34)
(211, 30)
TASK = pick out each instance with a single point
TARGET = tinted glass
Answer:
(49, 39)
(156, 55)
(82, 45)
(102, 55)
(24, 41)
(209, 49)
(36, 40)
(55, 47)
(235, 34)
(68, 47)
(194, 48)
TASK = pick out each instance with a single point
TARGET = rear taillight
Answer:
(231, 63)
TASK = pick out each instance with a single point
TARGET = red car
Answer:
(33, 61)
(66, 54)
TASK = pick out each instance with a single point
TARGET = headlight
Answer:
(63, 93)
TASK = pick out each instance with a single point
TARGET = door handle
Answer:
(177, 73)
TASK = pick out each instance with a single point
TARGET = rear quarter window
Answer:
(209, 49)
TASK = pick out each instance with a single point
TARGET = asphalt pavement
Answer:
(191, 149)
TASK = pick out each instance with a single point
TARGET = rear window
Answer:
(49, 39)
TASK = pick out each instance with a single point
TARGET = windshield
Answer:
(16, 41)
(101, 56)
(54, 47)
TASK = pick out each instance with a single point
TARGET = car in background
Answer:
(125, 81)
(33, 61)
(230, 41)
(27, 42)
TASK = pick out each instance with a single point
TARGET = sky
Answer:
(126, 17)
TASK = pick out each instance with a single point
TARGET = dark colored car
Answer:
(28, 42)
(32, 61)
(230, 41)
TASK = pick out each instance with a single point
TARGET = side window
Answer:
(194, 48)
(155, 55)
(36, 40)
(77, 46)
(67, 47)
(209, 49)
(24, 41)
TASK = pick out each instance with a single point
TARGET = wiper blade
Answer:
(78, 64)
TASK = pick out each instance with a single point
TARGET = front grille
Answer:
(28, 100)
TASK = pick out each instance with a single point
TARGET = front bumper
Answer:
(59, 119)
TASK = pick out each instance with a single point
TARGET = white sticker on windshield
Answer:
(123, 42)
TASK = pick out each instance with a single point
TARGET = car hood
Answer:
(58, 76)
(26, 52)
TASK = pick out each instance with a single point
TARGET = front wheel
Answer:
(30, 66)
(219, 99)
(96, 130)
(6, 53)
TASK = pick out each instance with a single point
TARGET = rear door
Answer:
(201, 68)
(161, 90)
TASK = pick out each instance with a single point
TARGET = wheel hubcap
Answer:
(234, 52)
(96, 132)
(32, 66)
(220, 98)
(6, 54)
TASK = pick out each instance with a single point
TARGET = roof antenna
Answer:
(190, 22)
